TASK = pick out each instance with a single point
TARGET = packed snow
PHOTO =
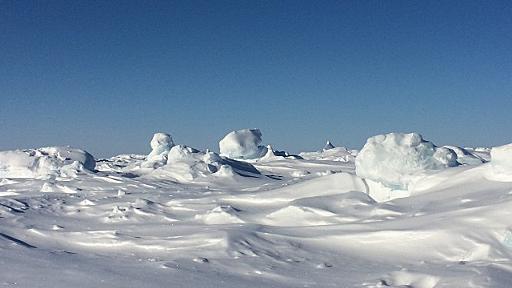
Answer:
(399, 213)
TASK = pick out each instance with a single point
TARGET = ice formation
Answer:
(272, 155)
(465, 157)
(161, 144)
(328, 146)
(44, 162)
(186, 164)
(242, 144)
(501, 162)
(339, 154)
(396, 159)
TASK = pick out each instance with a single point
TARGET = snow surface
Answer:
(204, 220)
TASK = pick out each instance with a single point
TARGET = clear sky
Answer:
(106, 75)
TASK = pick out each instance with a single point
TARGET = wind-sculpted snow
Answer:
(242, 144)
(397, 159)
(44, 162)
(203, 220)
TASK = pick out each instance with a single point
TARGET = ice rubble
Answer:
(242, 144)
(397, 159)
(186, 164)
(44, 162)
(465, 157)
(330, 153)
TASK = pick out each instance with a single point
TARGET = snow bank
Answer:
(43, 162)
(396, 159)
(501, 163)
(242, 144)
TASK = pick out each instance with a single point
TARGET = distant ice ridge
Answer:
(328, 146)
(242, 144)
(397, 159)
(331, 153)
(44, 162)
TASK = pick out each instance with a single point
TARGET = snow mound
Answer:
(273, 155)
(224, 214)
(242, 144)
(161, 144)
(397, 159)
(501, 163)
(44, 162)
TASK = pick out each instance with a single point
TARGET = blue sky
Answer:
(106, 75)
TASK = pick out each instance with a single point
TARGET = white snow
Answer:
(242, 144)
(397, 159)
(501, 161)
(199, 219)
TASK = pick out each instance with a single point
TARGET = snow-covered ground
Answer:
(414, 215)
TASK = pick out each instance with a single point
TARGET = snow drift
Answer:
(44, 162)
(242, 144)
(396, 159)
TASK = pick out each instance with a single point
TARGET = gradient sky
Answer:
(105, 75)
